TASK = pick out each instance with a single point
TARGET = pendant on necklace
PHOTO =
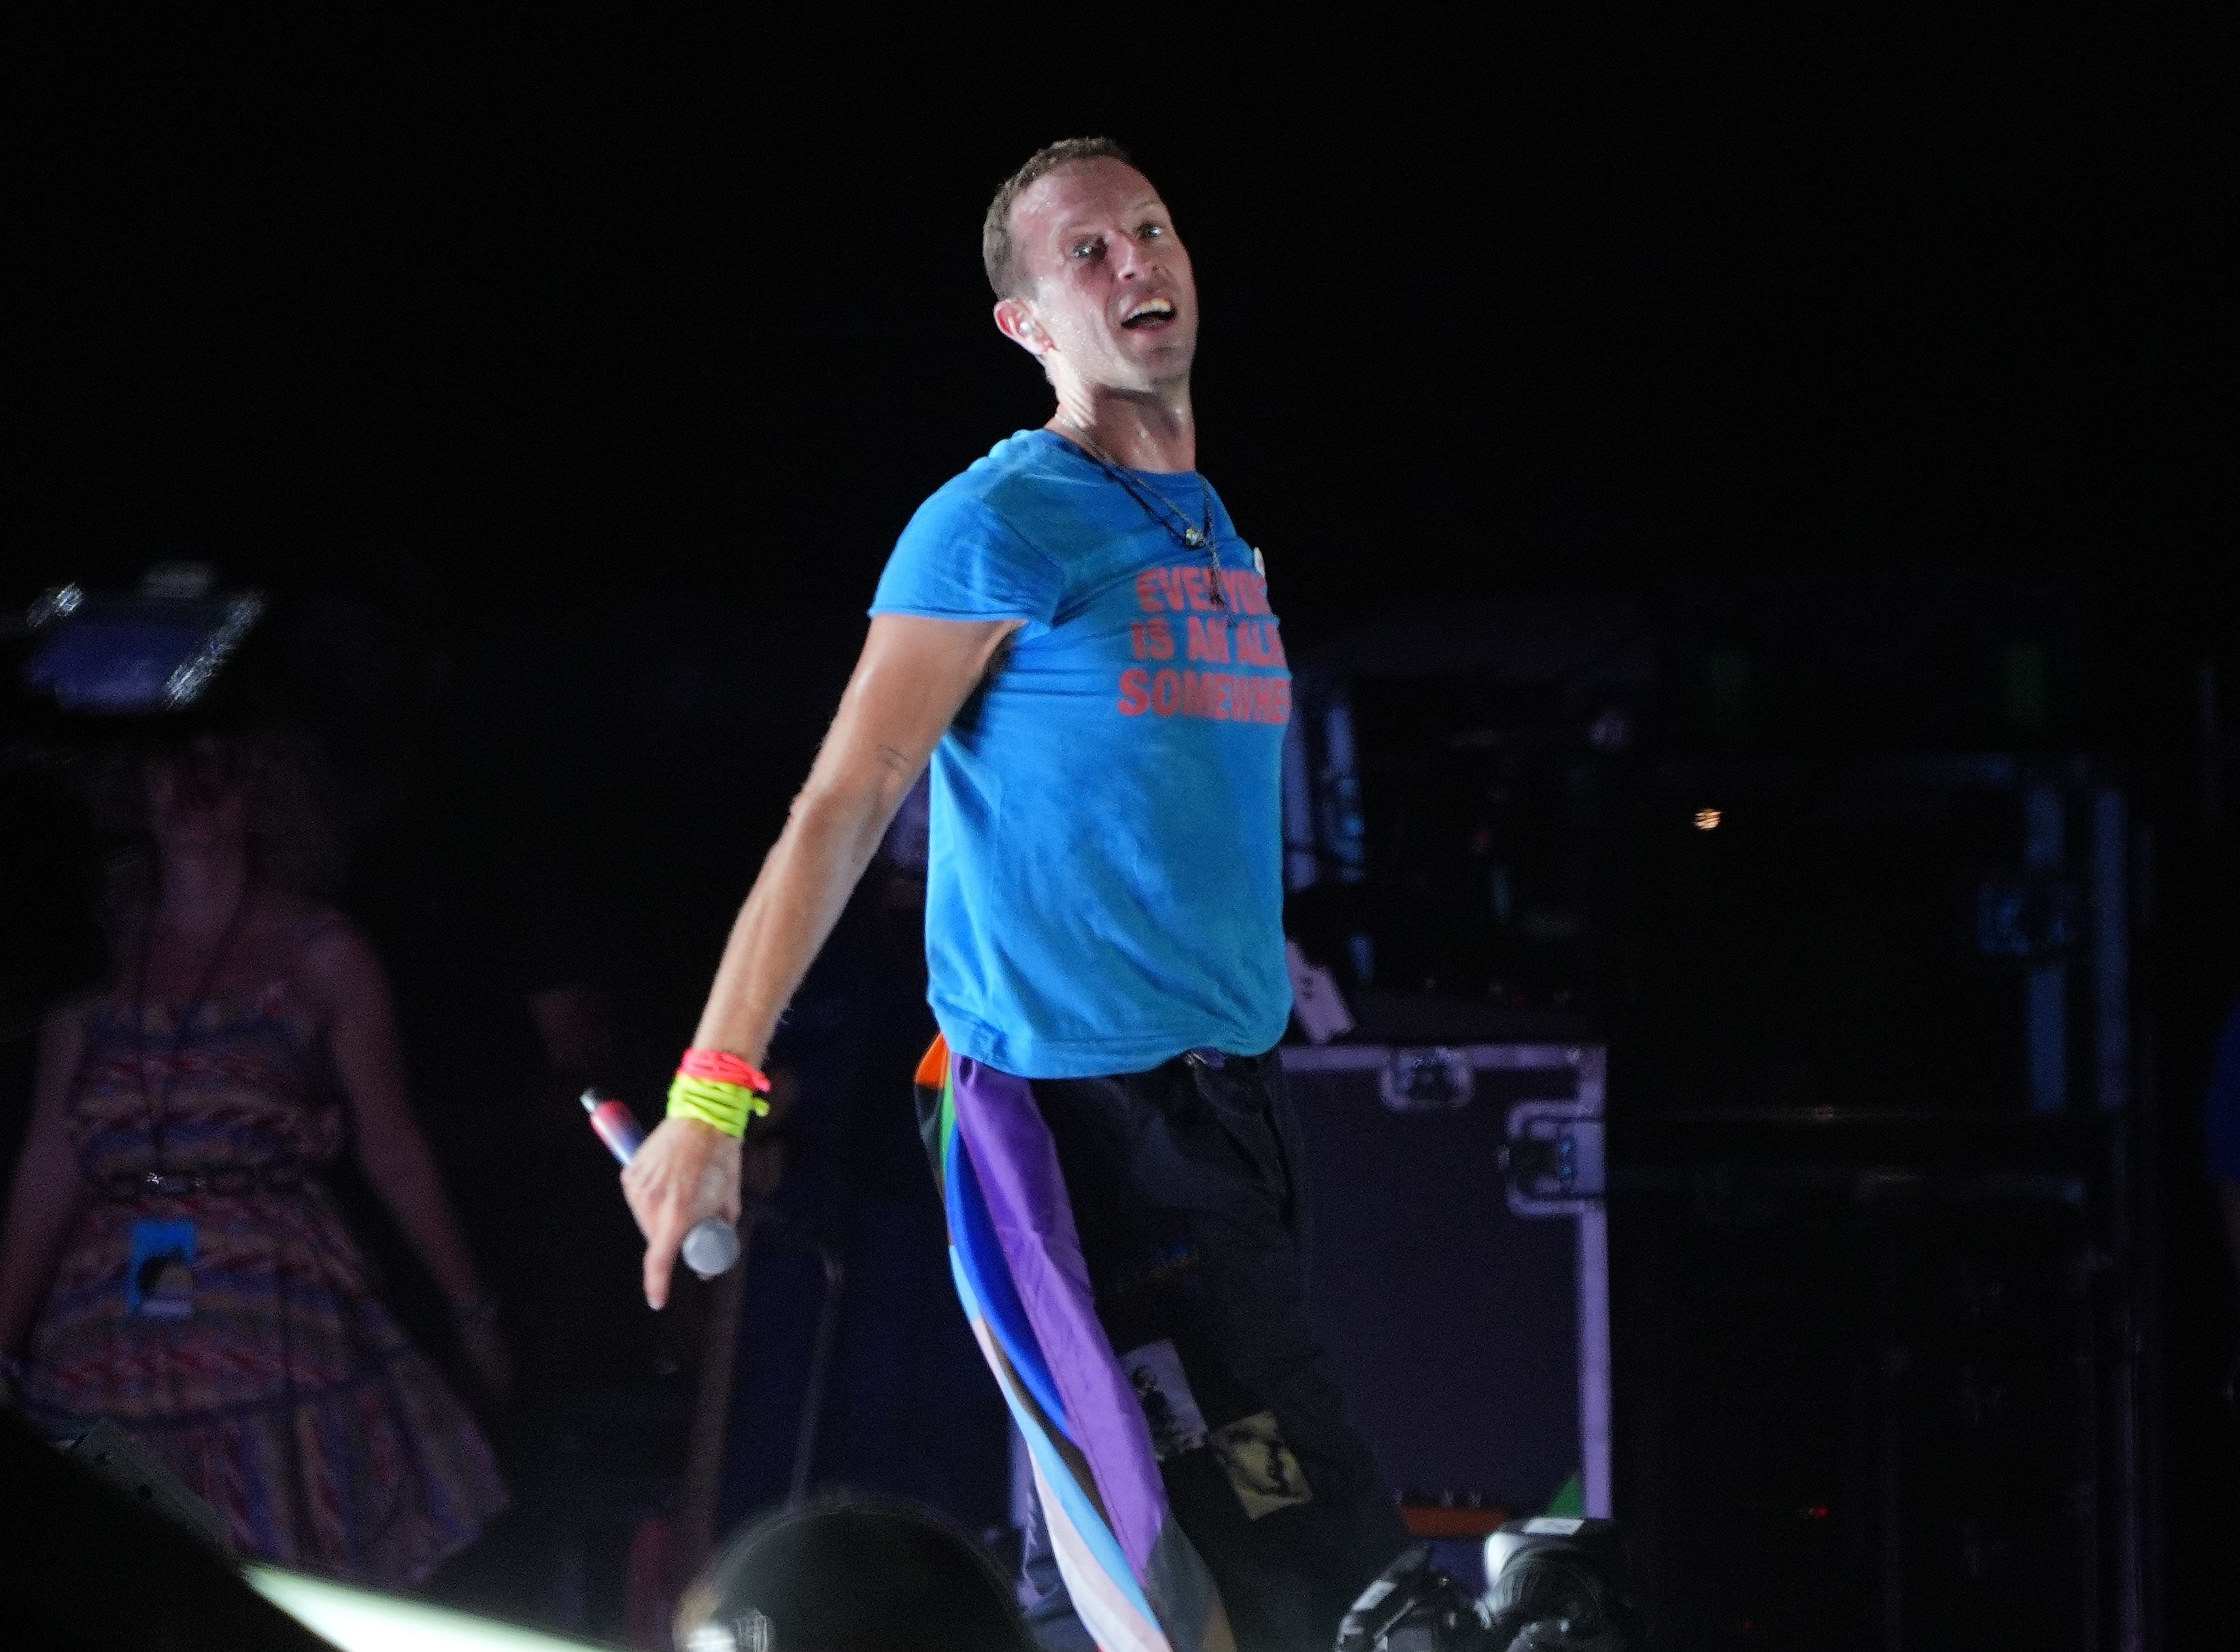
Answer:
(1194, 537)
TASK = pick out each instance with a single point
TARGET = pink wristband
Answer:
(725, 1068)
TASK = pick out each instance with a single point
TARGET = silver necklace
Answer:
(1159, 509)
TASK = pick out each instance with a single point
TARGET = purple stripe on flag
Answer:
(1018, 1173)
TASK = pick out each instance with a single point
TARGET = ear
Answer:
(1016, 320)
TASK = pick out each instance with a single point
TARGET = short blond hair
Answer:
(997, 253)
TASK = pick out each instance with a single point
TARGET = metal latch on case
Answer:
(1425, 1081)
(1553, 1160)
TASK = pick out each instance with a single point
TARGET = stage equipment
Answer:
(154, 652)
(112, 1511)
(1557, 1585)
(120, 1460)
(1933, 930)
(1457, 786)
(1885, 1316)
(1415, 1607)
(363, 1619)
(1878, 1377)
(1458, 1271)
(91, 1563)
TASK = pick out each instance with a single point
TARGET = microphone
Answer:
(712, 1246)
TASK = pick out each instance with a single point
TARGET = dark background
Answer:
(649, 342)
(1483, 314)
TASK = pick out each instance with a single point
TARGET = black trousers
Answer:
(1185, 1186)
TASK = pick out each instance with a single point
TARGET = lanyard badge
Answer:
(159, 1283)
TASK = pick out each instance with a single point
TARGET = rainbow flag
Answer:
(1133, 1576)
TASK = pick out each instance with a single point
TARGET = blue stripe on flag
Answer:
(1076, 1509)
(984, 1264)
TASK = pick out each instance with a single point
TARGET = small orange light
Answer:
(1707, 819)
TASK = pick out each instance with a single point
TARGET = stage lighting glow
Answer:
(1707, 819)
(363, 1619)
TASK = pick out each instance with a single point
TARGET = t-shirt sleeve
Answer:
(958, 559)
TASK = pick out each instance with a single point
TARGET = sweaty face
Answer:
(1110, 286)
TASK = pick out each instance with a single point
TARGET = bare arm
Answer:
(362, 1038)
(913, 678)
(47, 1185)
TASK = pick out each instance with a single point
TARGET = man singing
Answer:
(1076, 636)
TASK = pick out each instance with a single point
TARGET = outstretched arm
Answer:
(913, 678)
(46, 1185)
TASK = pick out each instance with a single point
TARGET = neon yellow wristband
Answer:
(725, 1107)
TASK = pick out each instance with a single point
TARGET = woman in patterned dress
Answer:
(169, 1248)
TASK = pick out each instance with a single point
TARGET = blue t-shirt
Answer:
(1104, 879)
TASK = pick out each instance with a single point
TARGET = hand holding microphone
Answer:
(685, 1166)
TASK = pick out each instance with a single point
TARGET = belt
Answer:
(1206, 1056)
(223, 1178)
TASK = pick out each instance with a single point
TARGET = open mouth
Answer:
(1153, 312)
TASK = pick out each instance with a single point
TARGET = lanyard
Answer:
(158, 1105)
